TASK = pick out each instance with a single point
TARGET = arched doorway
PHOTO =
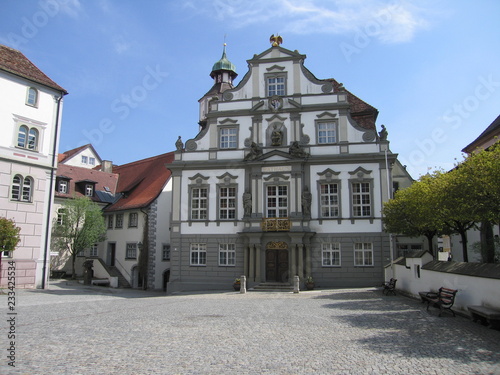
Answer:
(277, 262)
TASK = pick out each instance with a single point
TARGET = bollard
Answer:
(296, 283)
(243, 287)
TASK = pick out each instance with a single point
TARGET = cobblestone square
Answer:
(74, 329)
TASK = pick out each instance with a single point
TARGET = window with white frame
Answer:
(27, 138)
(227, 203)
(91, 161)
(119, 221)
(89, 190)
(93, 250)
(165, 254)
(363, 254)
(21, 189)
(132, 220)
(329, 200)
(85, 159)
(198, 254)
(32, 97)
(277, 201)
(63, 187)
(276, 86)
(6, 254)
(327, 132)
(227, 254)
(228, 137)
(110, 221)
(361, 199)
(61, 213)
(199, 203)
(131, 251)
(330, 254)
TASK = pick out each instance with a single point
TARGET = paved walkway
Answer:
(73, 329)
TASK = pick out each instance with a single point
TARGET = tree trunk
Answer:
(73, 258)
(429, 240)
(487, 242)
(463, 236)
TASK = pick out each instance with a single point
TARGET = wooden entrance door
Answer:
(277, 265)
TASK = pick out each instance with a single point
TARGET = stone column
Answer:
(301, 261)
(296, 284)
(258, 253)
(308, 260)
(245, 260)
(243, 284)
(293, 261)
(251, 263)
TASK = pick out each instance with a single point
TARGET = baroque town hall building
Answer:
(287, 176)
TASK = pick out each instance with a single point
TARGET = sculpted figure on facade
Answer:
(383, 133)
(306, 202)
(255, 152)
(276, 136)
(247, 203)
(178, 144)
(297, 151)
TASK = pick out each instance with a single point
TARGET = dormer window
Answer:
(89, 190)
(85, 159)
(63, 187)
(32, 97)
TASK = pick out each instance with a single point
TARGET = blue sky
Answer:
(135, 70)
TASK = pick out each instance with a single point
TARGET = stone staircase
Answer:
(272, 287)
(114, 272)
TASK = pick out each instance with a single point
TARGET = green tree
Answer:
(412, 211)
(9, 236)
(81, 225)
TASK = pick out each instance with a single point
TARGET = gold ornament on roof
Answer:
(275, 40)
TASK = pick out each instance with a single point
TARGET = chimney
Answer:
(107, 166)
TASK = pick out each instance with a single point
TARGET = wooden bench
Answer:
(390, 286)
(486, 315)
(444, 299)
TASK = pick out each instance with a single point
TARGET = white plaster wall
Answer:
(471, 290)
(162, 232)
(76, 160)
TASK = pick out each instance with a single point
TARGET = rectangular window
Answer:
(227, 203)
(329, 200)
(63, 187)
(6, 254)
(327, 133)
(165, 252)
(110, 222)
(60, 215)
(227, 254)
(92, 161)
(363, 254)
(32, 96)
(119, 221)
(80, 253)
(132, 220)
(93, 250)
(89, 190)
(131, 251)
(404, 248)
(330, 254)
(199, 204)
(85, 159)
(198, 254)
(276, 86)
(361, 199)
(228, 138)
(277, 201)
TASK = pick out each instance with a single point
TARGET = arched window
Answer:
(27, 138)
(32, 139)
(22, 188)
(22, 136)
(32, 96)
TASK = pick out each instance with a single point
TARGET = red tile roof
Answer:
(14, 62)
(67, 154)
(79, 174)
(141, 182)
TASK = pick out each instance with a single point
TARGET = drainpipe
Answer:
(51, 191)
(389, 197)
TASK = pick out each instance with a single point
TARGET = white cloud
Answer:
(392, 22)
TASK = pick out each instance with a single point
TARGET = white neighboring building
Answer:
(30, 114)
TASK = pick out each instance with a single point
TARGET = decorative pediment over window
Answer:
(228, 121)
(328, 174)
(227, 178)
(361, 173)
(276, 177)
(276, 68)
(198, 179)
(326, 116)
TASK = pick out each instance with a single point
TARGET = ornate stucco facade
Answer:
(286, 177)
